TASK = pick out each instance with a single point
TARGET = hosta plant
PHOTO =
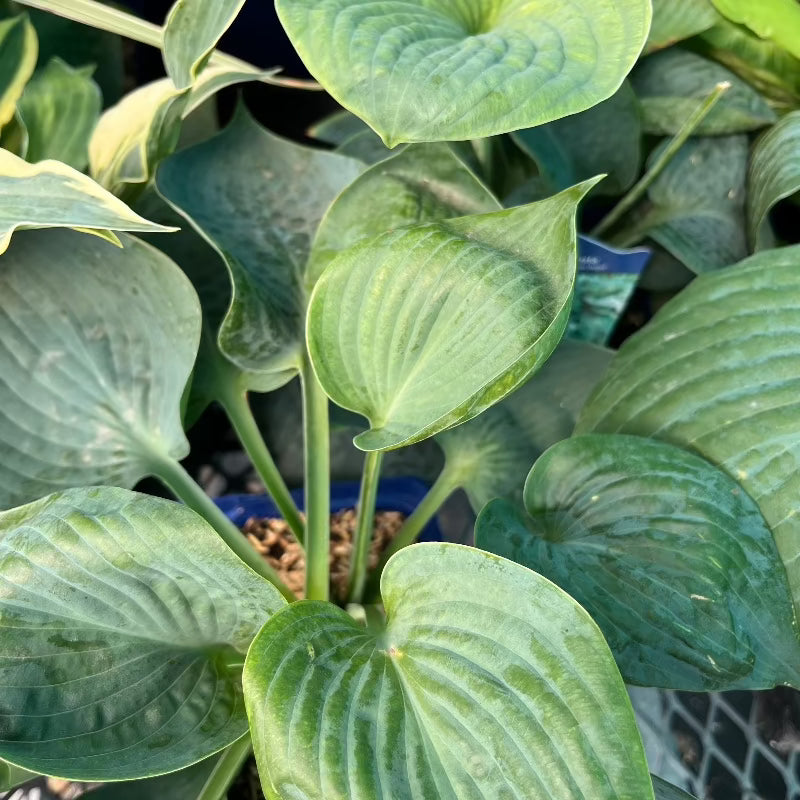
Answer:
(417, 269)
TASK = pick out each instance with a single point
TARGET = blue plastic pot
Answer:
(394, 494)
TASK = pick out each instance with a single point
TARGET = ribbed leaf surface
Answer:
(96, 345)
(671, 84)
(442, 320)
(488, 682)
(125, 622)
(59, 109)
(671, 558)
(718, 371)
(676, 20)
(258, 199)
(774, 172)
(433, 70)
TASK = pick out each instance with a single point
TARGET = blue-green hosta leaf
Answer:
(53, 195)
(191, 32)
(90, 392)
(133, 136)
(443, 319)
(337, 128)
(671, 84)
(718, 371)
(697, 205)
(364, 146)
(18, 52)
(774, 173)
(778, 20)
(432, 70)
(668, 554)
(579, 146)
(488, 682)
(11, 776)
(59, 108)
(423, 182)
(666, 791)
(676, 20)
(125, 624)
(258, 200)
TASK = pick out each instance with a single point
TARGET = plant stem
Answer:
(362, 537)
(226, 769)
(241, 417)
(316, 442)
(178, 480)
(669, 152)
(443, 487)
(113, 20)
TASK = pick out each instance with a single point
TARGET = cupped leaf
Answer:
(258, 199)
(444, 70)
(717, 370)
(579, 146)
(778, 20)
(670, 84)
(667, 791)
(774, 173)
(488, 681)
(443, 319)
(125, 624)
(191, 32)
(53, 195)
(59, 109)
(18, 51)
(668, 554)
(11, 776)
(676, 20)
(423, 182)
(90, 391)
(696, 207)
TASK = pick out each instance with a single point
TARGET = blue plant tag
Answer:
(605, 283)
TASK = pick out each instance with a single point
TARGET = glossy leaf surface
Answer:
(438, 70)
(778, 20)
(717, 370)
(53, 195)
(671, 84)
(580, 146)
(445, 318)
(89, 391)
(487, 682)
(668, 554)
(191, 32)
(258, 199)
(59, 108)
(421, 183)
(125, 624)
(676, 20)
(697, 205)
(18, 52)
(774, 172)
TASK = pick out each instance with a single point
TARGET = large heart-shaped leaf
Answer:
(52, 195)
(778, 20)
(718, 370)
(774, 172)
(59, 109)
(670, 85)
(487, 682)
(90, 393)
(18, 52)
(421, 183)
(579, 146)
(695, 207)
(676, 20)
(430, 70)
(258, 199)
(125, 624)
(443, 319)
(191, 32)
(671, 558)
